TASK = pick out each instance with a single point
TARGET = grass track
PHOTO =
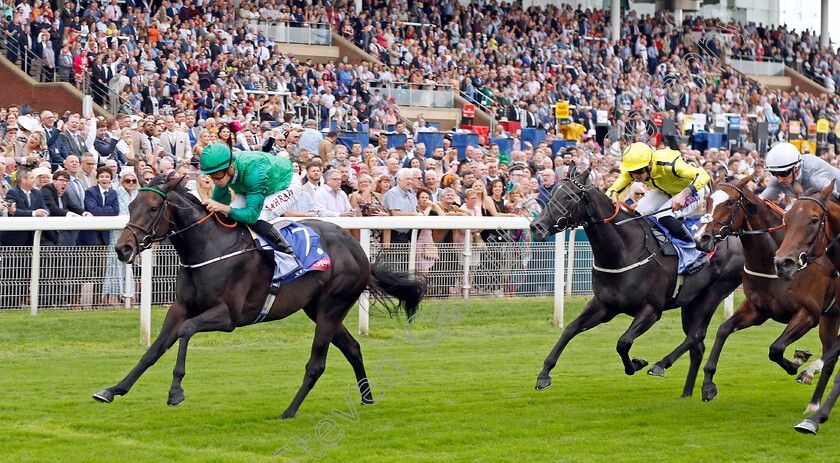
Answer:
(468, 398)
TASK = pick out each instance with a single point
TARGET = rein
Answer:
(709, 218)
(149, 239)
(805, 258)
(586, 223)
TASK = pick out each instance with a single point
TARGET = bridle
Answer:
(150, 238)
(590, 210)
(805, 258)
(749, 209)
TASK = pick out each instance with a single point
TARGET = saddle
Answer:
(691, 260)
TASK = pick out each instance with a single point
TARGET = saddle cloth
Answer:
(687, 252)
(306, 244)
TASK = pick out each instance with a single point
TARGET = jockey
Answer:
(672, 180)
(266, 187)
(787, 165)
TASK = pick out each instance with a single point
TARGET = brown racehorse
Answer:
(813, 224)
(734, 210)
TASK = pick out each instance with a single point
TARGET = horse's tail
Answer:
(407, 289)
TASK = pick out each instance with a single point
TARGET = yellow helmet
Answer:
(636, 156)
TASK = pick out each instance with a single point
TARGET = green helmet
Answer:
(215, 158)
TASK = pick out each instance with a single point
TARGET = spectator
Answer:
(29, 202)
(401, 201)
(60, 203)
(327, 146)
(311, 137)
(100, 200)
(115, 278)
(330, 199)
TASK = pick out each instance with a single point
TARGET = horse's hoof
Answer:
(287, 415)
(805, 378)
(811, 409)
(684, 396)
(543, 383)
(656, 370)
(800, 356)
(710, 392)
(807, 426)
(175, 399)
(105, 396)
(636, 365)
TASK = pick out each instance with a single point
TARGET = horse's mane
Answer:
(160, 181)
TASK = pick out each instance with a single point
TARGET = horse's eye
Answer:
(814, 220)
(153, 209)
(730, 202)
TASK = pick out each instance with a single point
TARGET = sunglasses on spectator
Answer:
(638, 194)
(783, 174)
(129, 180)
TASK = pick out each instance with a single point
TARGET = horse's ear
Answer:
(826, 193)
(584, 175)
(572, 169)
(744, 181)
(172, 181)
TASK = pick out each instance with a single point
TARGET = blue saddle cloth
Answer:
(307, 245)
(687, 252)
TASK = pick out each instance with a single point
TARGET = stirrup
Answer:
(269, 301)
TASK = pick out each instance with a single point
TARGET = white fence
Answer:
(82, 277)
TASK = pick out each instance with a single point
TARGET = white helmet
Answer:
(782, 157)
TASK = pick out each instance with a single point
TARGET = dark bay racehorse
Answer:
(813, 224)
(635, 278)
(800, 303)
(229, 293)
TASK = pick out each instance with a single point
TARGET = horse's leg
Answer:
(800, 324)
(744, 317)
(324, 332)
(592, 315)
(215, 319)
(811, 424)
(644, 319)
(165, 339)
(828, 337)
(696, 316)
(353, 353)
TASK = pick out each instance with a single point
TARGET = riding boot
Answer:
(676, 228)
(275, 238)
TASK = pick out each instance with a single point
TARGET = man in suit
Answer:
(60, 204)
(72, 139)
(100, 200)
(174, 142)
(106, 146)
(54, 143)
(29, 203)
(101, 75)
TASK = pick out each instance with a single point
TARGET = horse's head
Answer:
(806, 233)
(566, 207)
(727, 210)
(150, 217)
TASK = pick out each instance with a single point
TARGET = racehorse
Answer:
(631, 276)
(734, 210)
(223, 283)
(813, 224)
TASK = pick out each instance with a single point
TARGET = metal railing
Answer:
(285, 32)
(424, 95)
(760, 68)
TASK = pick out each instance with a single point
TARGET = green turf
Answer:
(470, 397)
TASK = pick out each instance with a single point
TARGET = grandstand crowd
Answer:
(178, 76)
